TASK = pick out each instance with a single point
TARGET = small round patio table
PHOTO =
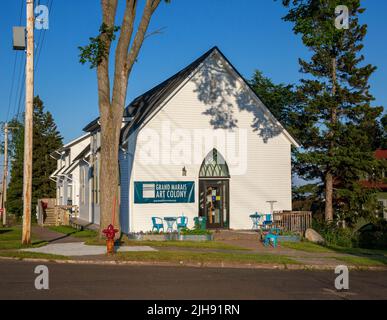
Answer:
(255, 218)
(170, 222)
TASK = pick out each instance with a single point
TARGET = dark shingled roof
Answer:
(145, 104)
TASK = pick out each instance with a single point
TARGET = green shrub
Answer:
(194, 232)
(335, 235)
(373, 236)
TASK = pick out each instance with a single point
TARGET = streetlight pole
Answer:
(28, 126)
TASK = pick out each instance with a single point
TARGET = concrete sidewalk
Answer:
(77, 249)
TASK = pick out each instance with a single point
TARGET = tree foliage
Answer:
(46, 139)
(281, 99)
(337, 123)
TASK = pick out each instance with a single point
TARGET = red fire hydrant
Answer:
(110, 233)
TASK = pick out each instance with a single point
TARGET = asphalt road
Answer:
(67, 281)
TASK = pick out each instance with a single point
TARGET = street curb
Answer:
(222, 265)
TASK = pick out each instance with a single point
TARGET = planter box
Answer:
(170, 237)
(289, 238)
(196, 237)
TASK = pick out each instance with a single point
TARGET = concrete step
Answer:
(236, 235)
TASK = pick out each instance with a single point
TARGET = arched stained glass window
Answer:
(214, 165)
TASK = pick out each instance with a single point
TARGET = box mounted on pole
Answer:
(19, 38)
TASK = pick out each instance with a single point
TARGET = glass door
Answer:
(213, 202)
(214, 206)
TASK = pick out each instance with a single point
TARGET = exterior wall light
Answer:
(184, 172)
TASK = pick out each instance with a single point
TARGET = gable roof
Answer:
(141, 106)
(144, 105)
(57, 153)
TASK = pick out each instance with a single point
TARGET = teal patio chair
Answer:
(268, 221)
(272, 237)
(157, 224)
(181, 222)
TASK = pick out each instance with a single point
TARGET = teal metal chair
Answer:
(268, 221)
(157, 224)
(181, 222)
(272, 237)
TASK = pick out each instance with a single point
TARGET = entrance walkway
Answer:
(50, 236)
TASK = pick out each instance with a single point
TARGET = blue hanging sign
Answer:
(164, 192)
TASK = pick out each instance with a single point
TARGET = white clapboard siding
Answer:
(268, 163)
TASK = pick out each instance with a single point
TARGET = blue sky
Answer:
(249, 32)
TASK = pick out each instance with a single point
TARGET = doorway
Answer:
(214, 203)
(214, 191)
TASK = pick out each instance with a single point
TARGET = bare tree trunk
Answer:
(111, 106)
(109, 174)
(328, 174)
(328, 197)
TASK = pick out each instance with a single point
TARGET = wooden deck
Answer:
(294, 221)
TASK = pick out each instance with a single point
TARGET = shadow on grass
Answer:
(3, 231)
(362, 256)
(68, 231)
(356, 256)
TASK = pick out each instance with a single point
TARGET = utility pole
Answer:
(28, 126)
(1, 197)
(5, 176)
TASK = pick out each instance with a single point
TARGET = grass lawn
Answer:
(306, 246)
(313, 247)
(178, 244)
(361, 251)
(30, 255)
(10, 238)
(364, 261)
(200, 257)
(70, 231)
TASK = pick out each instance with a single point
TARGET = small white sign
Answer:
(148, 191)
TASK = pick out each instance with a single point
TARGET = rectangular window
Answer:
(82, 186)
(96, 172)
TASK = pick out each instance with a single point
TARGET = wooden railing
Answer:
(294, 221)
(49, 214)
(63, 214)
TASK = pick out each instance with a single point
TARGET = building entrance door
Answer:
(214, 203)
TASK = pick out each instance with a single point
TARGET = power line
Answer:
(14, 67)
(12, 85)
(50, 5)
(40, 44)
(21, 92)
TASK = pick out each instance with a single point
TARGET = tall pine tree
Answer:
(281, 98)
(46, 139)
(336, 119)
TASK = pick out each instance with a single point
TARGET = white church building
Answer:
(201, 143)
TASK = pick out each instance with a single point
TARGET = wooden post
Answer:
(5, 176)
(28, 126)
